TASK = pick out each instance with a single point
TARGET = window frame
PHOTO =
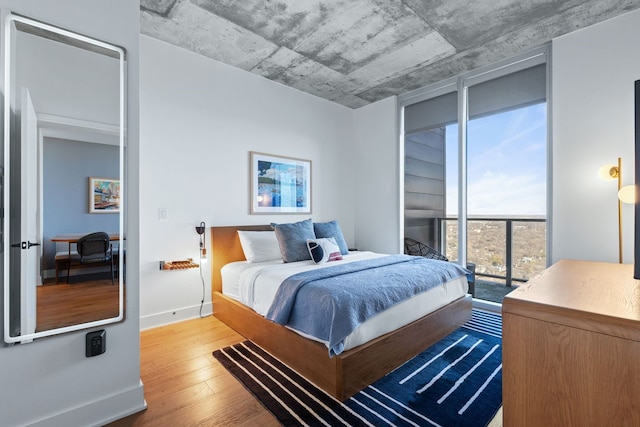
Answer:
(461, 84)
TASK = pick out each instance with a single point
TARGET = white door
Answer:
(29, 254)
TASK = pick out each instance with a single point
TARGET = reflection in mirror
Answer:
(63, 175)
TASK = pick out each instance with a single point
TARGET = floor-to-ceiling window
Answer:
(427, 127)
(476, 179)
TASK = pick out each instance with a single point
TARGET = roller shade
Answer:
(432, 113)
(516, 90)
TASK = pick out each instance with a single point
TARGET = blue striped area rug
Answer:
(455, 382)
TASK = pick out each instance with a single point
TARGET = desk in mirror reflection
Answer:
(63, 259)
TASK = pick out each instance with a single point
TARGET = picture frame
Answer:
(104, 195)
(279, 184)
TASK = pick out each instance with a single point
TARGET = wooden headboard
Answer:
(226, 248)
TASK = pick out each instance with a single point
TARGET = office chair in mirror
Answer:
(93, 249)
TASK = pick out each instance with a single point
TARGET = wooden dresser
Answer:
(571, 347)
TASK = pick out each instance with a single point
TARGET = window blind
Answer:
(431, 113)
(515, 90)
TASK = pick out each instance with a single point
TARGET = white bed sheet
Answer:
(255, 285)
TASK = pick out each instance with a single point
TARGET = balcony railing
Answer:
(485, 235)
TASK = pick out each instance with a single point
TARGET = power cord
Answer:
(203, 290)
(200, 229)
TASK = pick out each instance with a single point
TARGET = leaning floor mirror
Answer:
(63, 180)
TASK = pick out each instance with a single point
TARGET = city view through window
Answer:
(506, 191)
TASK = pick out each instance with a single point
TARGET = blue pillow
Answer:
(292, 239)
(331, 229)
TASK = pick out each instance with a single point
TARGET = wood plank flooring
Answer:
(62, 304)
(185, 386)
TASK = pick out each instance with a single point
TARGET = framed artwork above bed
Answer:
(280, 184)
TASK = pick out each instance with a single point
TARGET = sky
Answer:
(506, 164)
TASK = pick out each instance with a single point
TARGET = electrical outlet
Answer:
(96, 343)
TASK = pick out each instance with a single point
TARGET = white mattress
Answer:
(255, 285)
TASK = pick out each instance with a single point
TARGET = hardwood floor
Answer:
(185, 386)
(62, 304)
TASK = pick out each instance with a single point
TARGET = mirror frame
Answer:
(9, 19)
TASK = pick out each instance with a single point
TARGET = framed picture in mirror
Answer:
(104, 195)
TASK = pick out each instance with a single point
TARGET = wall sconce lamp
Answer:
(203, 246)
(626, 194)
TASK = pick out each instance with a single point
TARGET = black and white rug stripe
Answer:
(485, 322)
(292, 399)
(295, 401)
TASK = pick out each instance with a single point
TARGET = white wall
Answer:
(93, 81)
(50, 381)
(594, 70)
(377, 165)
(199, 119)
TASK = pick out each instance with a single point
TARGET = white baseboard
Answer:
(173, 316)
(100, 412)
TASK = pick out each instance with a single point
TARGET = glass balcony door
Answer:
(506, 173)
(476, 172)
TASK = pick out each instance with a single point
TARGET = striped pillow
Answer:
(324, 250)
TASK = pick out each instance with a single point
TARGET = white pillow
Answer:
(323, 250)
(259, 246)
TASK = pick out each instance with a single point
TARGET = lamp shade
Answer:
(608, 172)
(627, 194)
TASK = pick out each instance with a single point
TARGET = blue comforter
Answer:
(329, 303)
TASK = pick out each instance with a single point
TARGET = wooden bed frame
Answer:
(347, 373)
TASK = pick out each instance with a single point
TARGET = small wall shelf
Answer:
(178, 265)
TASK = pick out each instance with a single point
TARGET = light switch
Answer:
(163, 214)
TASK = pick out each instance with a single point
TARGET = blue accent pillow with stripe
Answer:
(324, 250)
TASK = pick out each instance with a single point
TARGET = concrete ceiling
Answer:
(355, 52)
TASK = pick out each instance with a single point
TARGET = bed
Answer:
(344, 374)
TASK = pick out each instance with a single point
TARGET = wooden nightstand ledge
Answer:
(571, 347)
